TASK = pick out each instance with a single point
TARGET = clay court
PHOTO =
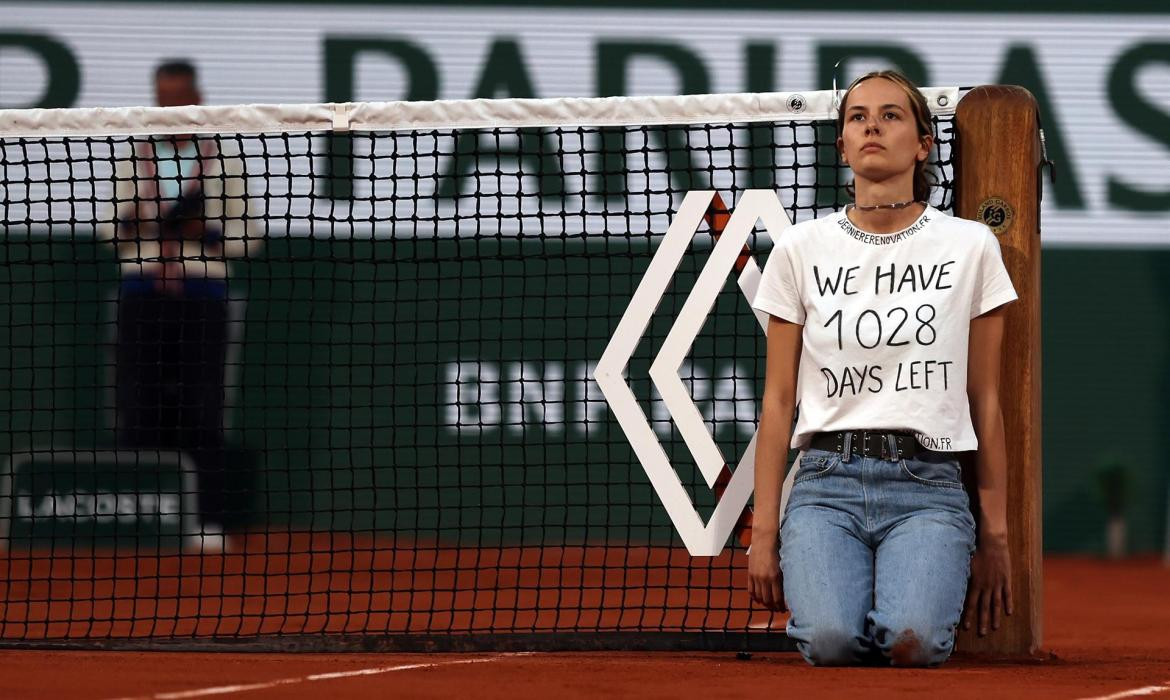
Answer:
(452, 385)
(1107, 634)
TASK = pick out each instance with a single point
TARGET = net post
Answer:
(998, 181)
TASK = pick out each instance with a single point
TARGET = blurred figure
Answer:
(179, 215)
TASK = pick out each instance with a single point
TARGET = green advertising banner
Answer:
(97, 498)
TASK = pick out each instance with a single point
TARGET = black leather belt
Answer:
(868, 443)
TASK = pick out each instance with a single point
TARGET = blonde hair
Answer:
(918, 107)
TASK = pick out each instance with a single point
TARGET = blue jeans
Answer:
(876, 556)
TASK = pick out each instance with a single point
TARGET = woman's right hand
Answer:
(765, 580)
(777, 409)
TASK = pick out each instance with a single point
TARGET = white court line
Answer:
(1148, 690)
(227, 689)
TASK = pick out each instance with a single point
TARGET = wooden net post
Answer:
(997, 178)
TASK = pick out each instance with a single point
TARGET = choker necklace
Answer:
(876, 207)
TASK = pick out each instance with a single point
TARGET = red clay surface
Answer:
(1107, 630)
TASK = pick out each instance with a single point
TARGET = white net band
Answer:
(440, 114)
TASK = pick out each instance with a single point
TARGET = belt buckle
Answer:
(888, 441)
(884, 451)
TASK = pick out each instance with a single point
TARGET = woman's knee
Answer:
(832, 646)
(917, 644)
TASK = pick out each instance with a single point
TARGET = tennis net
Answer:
(321, 376)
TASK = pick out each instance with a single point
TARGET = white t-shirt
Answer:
(886, 322)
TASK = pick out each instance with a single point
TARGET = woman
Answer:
(886, 327)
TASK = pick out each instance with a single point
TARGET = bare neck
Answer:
(884, 220)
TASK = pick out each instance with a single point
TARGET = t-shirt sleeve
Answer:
(779, 291)
(993, 286)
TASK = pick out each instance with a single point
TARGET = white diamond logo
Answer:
(753, 206)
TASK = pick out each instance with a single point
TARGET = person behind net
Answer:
(179, 215)
(885, 329)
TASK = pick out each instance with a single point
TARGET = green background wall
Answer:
(1106, 380)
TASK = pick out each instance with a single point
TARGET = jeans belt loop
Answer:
(847, 451)
(892, 440)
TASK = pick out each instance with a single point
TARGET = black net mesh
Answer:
(337, 387)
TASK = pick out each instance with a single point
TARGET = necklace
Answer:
(876, 207)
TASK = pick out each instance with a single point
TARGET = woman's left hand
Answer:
(989, 595)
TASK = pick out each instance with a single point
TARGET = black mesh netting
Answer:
(338, 386)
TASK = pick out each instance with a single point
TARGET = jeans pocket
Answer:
(934, 469)
(813, 466)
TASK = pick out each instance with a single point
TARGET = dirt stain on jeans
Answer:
(907, 650)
